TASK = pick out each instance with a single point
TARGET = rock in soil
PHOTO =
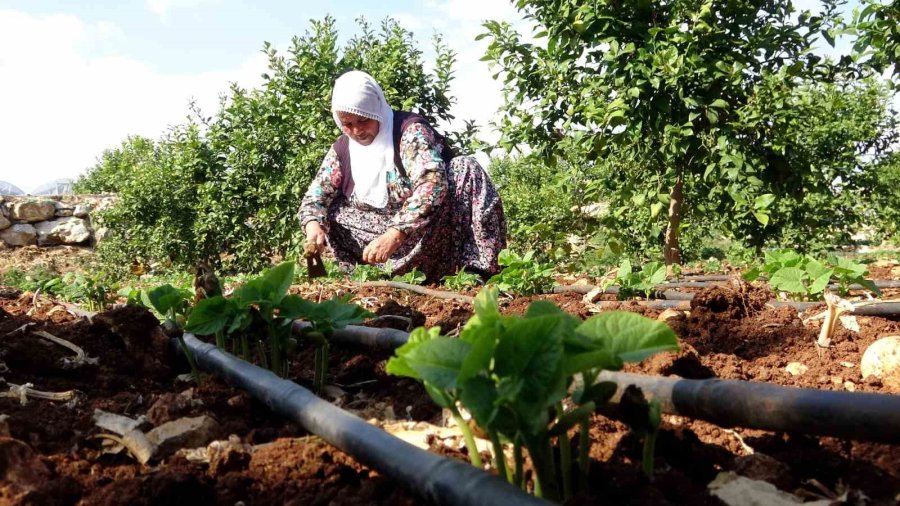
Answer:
(184, 432)
(168, 407)
(882, 360)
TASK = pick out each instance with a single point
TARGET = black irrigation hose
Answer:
(733, 403)
(373, 337)
(436, 479)
(665, 287)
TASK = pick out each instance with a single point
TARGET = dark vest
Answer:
(401, 121)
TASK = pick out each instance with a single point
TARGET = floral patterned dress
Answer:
(450, 212)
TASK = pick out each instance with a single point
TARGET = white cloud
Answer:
(162, 7)
(61, 107)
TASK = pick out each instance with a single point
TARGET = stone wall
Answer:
(50, 221)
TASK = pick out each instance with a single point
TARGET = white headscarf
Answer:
(357, 93)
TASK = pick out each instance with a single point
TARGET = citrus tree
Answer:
(681, 89)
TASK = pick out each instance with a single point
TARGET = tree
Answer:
(878, 43)
(674, 87)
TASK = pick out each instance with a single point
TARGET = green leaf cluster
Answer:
(804, 277)
(522, 274)
(513, 373)
(461, 280)
(631, 283)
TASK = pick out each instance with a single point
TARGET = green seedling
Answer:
(522, 274)
(324, 318)
(413, 277)
(261, 303)
(363, 272)
(174, 306)
(513, 374)
(88, 290)
(804, 277)
(641, 282)
(461, 280)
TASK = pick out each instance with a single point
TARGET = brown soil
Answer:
(729, 333)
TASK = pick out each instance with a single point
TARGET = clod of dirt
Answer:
(882, 360)
(143, 338)
(760, 466)
(21, 470)
(168, 407)
(737, 299)
(158, 489)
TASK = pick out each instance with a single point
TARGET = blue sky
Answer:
(78, 77)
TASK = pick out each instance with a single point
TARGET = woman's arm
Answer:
(421, 156)
(323, 189)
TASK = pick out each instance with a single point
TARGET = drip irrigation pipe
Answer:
(666, 287)
(733, 403)
(372, 337)
(439, 294)
(436, 479)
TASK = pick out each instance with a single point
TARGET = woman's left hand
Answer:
(379, 250)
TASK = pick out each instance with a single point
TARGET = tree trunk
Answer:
(672, 251)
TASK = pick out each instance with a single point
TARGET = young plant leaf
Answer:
(210, 315)
(629, 336)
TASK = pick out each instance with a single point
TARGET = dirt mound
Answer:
(734, 301)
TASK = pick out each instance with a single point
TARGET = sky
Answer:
(77, 77)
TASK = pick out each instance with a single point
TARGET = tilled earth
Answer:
(50, 452)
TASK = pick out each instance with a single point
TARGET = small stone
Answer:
(4, 222)
(849, 386)
(669, 314)
(882, 360)
(848, 365)
(82, 210)
(21, 234)
(837, 381)
(239, 401)
(796, 369)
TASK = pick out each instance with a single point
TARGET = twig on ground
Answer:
(80, 357)
(23, 392)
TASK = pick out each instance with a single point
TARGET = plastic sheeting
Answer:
(55, 187)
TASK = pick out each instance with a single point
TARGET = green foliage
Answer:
(804, 277)
(115, 166)
(263, 305)
(512, 374)
(461, 280)
(522, 274)
(90, 290)
(711, 99)
(632, 283)
(883, 198)
(365, 272)
(413, 277)
(225, 189)
(878, 43)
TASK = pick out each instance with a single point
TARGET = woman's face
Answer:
(360, 129)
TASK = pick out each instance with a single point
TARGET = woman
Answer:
(391, 192)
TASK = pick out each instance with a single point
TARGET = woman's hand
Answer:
(315, 238)
(383, 247)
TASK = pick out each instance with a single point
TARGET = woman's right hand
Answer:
(315, 238)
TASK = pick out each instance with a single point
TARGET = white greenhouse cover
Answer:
(10, 189)
(55, 187)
